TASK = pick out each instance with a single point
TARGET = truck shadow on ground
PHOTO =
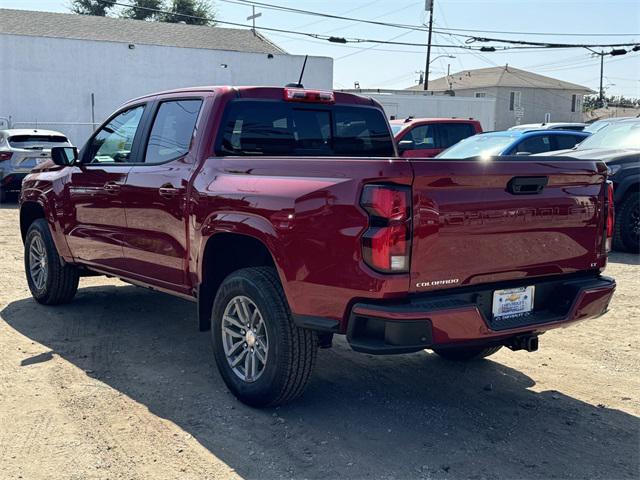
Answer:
(408, 416)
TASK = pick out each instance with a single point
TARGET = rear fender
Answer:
(242, 223)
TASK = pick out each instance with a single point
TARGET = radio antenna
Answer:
(302, 72)
(299, 84)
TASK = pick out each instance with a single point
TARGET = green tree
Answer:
(91, 7)
(194, 12)
(145, 10)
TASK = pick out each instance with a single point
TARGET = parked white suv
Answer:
(20, 151)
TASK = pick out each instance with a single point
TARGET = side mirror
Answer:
(404, 145)
(523, 153)
(64, 156)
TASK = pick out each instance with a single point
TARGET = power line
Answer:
(545, 33)
(340, 40)
(423, 29)
(333, 39)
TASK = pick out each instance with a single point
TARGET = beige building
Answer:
(521, 96)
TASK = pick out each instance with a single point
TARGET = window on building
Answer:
(481, 94)
(514, 100)
(575, 103)
(172, 130)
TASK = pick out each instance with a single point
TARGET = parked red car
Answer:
(285, 215)
(427, 137)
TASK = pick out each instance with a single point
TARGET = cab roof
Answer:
(275, 93)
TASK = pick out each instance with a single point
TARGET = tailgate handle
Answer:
(526, 185)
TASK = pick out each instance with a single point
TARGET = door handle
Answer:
(167, 191)
(527, 185)
(112, 188)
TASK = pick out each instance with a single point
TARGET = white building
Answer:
(68, 72)
(420, 104)
(520, 96)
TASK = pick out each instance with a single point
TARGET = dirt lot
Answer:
(120, 384)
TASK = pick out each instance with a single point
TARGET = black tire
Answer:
(626, 234)
(3, 195)
(291, 353)
(465, 354)
(60, 282)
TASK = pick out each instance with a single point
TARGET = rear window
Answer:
(26, 141)
(262, 127)
(564, 142)
(478, 145)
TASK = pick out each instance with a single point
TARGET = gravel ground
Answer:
(120, 384)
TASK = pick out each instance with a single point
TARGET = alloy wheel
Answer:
(244, 338)
(38, 268)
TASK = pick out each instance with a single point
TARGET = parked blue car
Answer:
(513, 142)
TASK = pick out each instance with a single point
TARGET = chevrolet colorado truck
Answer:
(286, 215)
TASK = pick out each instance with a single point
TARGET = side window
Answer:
(114, 141)
(537, 144)
(424, 137)
(566, 141)
(452, 133)
(173, 127)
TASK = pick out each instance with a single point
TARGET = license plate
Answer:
(40, 160)
(513, 301)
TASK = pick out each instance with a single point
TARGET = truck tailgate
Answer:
(478, 222)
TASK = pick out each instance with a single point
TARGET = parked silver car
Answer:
(578, 127)
(20, 151)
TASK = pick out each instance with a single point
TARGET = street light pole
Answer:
(428, 6)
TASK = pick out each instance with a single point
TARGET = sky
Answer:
(391, 66)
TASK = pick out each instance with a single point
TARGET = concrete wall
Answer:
(535, 103)
(50, 80)
(405, 103)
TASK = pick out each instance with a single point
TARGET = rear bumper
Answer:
(463, 315)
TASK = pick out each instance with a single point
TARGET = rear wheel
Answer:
(464, 354)
(3, 195)
(51, 282)
(626, 236)
(263, 357)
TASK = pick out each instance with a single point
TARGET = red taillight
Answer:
(386, 245)
(610, 216)
(308, 96)
(5, 156)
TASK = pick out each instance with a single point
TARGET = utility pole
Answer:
(428, 6)
(602, 54)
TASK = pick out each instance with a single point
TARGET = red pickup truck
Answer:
(286, 215)
(427, 137)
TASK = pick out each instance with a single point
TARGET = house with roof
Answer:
(520, 96)
(68, 72)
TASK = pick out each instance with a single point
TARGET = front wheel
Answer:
(51, 282)
(465, 354)
(263, 357)
(627, 226)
